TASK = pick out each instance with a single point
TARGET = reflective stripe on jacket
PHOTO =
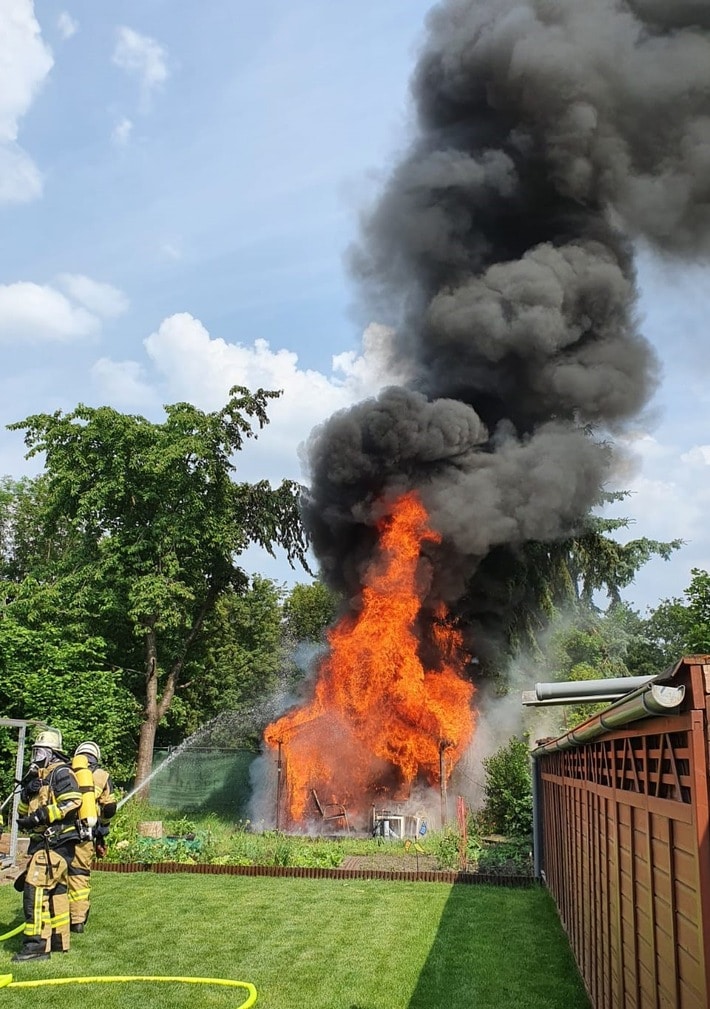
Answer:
(59, 794)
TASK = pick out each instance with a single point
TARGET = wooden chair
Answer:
(331, 810)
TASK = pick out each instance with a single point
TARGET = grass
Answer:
(317, 944)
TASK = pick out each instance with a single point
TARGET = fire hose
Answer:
(15, 931)
(7, 982)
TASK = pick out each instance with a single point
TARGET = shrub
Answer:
(444, 845)
(506, 859)
(508, 788)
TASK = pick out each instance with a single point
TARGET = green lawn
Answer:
(316, 944)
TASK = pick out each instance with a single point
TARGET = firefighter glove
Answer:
(34, 820)
(99, 848)
(33, 786)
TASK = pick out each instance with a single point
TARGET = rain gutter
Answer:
(583, 691)
(652, 699)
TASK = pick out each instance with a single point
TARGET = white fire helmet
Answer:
(90, 749)
(48, 741)
(51, 738)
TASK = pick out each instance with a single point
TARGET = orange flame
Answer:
(378, 718)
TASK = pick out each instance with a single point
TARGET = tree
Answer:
(160, 524)
(660, 639)
(309, 610)
(595, 640)
(676, 627)
(234, 670)
(24, 543)
(46, 674)
(52, 669)
(516, 592)
(698, 629)
(584, 644)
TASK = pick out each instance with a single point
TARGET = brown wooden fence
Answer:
(626, 853)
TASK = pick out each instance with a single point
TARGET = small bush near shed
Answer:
(508, 789)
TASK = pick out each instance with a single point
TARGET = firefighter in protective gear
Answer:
(49, 800)
(93, 835)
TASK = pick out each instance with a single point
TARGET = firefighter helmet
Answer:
(48, 741)
(90, 748)
(49, 738)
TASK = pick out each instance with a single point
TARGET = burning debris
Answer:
(552, 134)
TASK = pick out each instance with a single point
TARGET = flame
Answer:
(378, 720)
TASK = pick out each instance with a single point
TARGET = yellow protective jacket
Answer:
(59, 793)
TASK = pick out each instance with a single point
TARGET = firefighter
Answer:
(49, 801)
(92, 835)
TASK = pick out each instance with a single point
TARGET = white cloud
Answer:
(172, 250)
(375, 366)
(35, 312)
(66, 25)
(102, 299)
(20, 179)
(699, 455)
(122, 382)
(121, 132)
(141, 57)
(669, 499)
(25, 62)
(194, 366)
(202, 368)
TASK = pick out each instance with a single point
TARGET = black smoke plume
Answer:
(552, 137)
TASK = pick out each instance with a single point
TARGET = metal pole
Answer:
(442, 779)
(19, 764)
(279, 778)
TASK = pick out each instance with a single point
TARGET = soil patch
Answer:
(391, 863)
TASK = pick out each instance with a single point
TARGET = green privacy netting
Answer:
(204, 780)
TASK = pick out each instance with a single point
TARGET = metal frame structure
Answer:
(622, 821)
(20, 724)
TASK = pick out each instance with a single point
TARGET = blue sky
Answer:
(179, 184)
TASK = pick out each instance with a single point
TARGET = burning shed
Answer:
(391, 694)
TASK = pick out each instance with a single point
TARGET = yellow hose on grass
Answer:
(14, 931)
(7, 982)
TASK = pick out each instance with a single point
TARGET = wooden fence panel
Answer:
(624, 821)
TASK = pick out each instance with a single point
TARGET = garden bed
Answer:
(319, 872)
(206, 844)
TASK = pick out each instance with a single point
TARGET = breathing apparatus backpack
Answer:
(87, 816)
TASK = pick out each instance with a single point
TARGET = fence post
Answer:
(537, 817)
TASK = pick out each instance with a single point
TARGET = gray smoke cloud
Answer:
(551, 136)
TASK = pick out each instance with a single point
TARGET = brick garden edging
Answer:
(313, 873)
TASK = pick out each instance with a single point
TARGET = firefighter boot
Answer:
(79, 926)
(31, 951)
